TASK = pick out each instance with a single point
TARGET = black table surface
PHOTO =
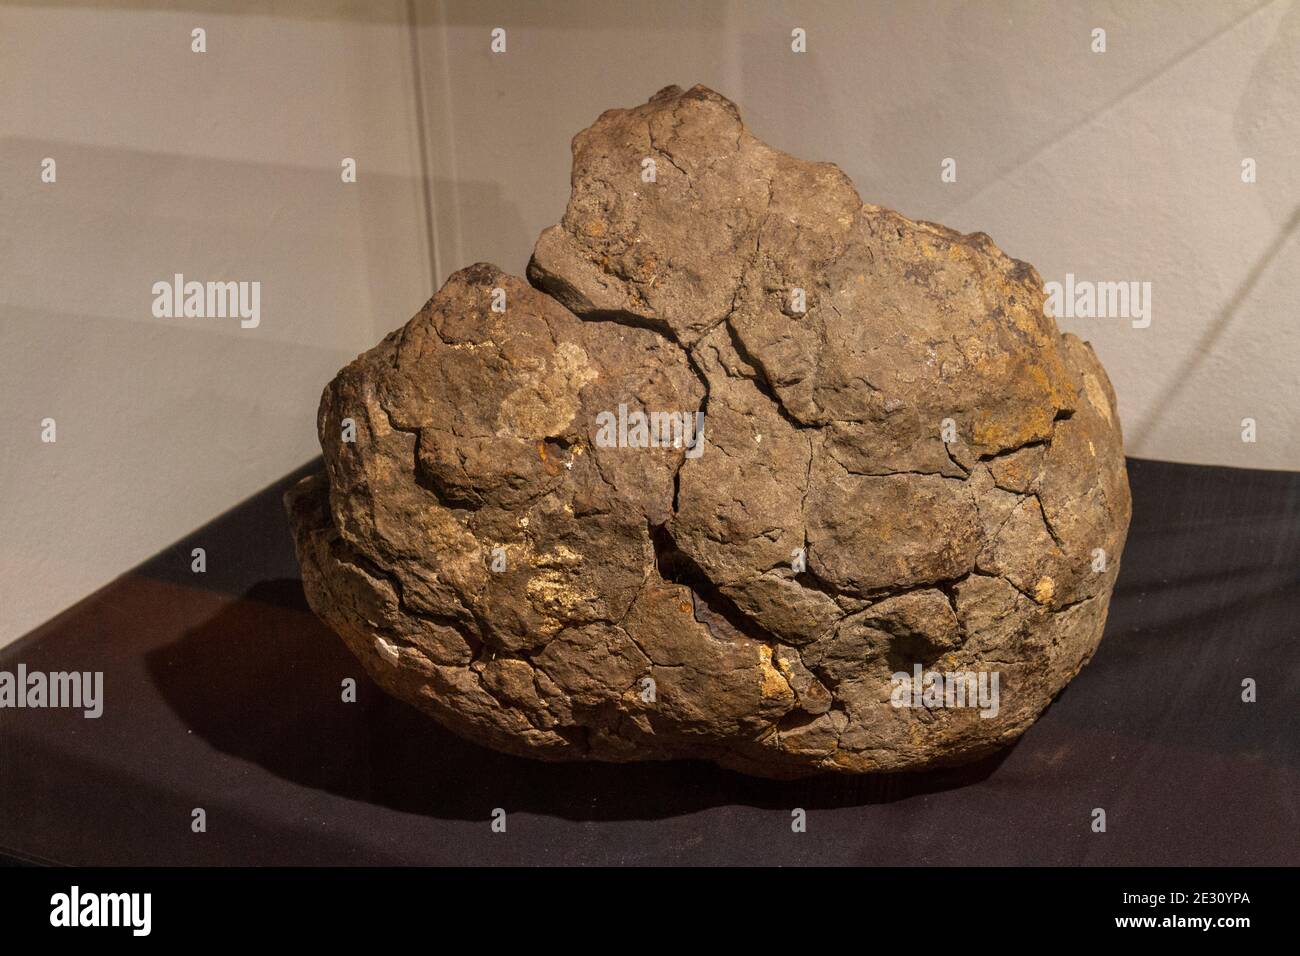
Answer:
(223, 692)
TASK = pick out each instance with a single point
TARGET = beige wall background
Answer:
(225, 166)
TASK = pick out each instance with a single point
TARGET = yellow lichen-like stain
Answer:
(773, 684)
(552, 591)
(1044, 590)
(545, 400)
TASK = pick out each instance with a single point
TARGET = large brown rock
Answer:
(884, 399)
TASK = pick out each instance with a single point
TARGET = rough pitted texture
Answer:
(476, 430)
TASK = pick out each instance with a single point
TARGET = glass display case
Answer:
(213, 209)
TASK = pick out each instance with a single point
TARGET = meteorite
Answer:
(873, 487)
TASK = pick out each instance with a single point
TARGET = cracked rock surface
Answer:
(882, 398)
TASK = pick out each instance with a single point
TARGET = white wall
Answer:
(225, 165)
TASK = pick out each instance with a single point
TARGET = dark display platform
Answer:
(222, 691)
